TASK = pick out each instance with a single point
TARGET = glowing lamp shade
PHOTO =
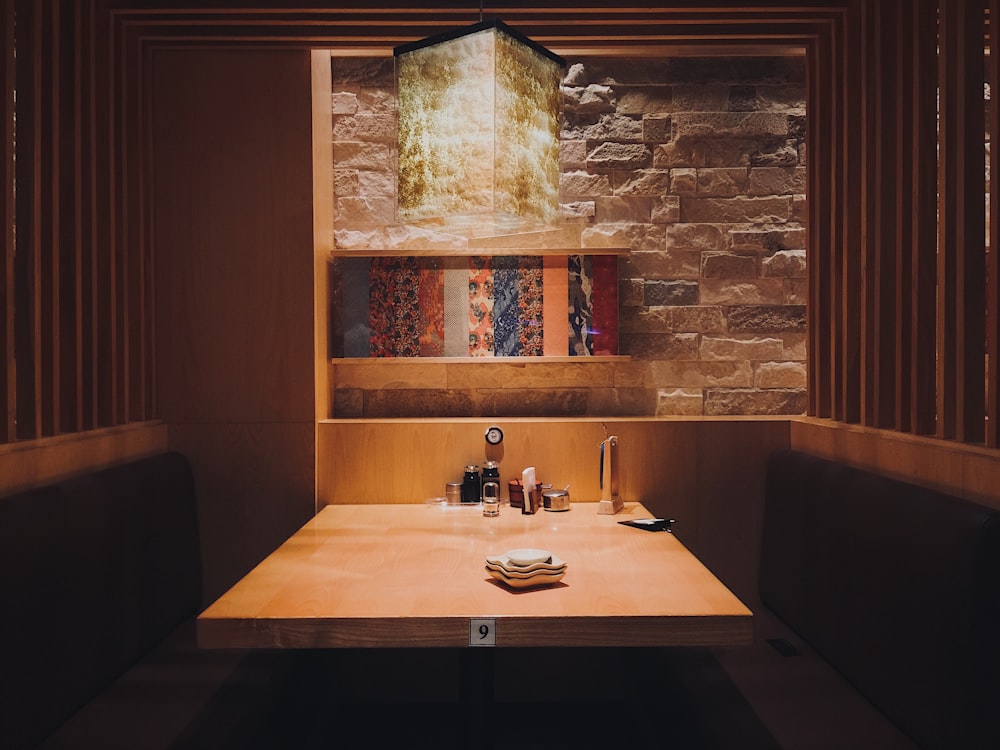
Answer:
(478, 126)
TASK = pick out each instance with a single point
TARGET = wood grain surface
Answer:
(414, 575)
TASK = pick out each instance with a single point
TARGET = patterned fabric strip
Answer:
(480, 308)
(605, 295)
(506, 339)
(394, 307)
(456, 307)
(431, 302)
(355, 295)
(555, 306)
(581, 305)
(531, 319)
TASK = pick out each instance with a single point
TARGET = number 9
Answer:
(484, 631)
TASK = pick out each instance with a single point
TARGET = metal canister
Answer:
(472, 485)
(453, 493)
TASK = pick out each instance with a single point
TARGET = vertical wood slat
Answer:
(879, 236)
(961, 256)
(993, 269)
(8, 375)
(902, 176)
(822, 356)
(848, 271)
(920, 366)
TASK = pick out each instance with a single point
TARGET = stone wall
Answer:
(698, 166)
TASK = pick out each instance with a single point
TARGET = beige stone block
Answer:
(729, 124)
(637, 237)
(666, 210)
(741, 348)
(742, 292)
(780, 375)
(365, 127)
(359, 155)
(655, 128)
(578, 210)
(344, 103)
(777, 181)
(701, 237)
(358, 239)
(611, 155)
(680, 402)
(715, 265)
(789, 99)
(672, 264)
(796, 346)
(738, 401)
(722, 182)
(366, 210)
(800, 209)
(373, 184)
(796, 292)
(612, 209)
(698, 319)
(377, 101)
(345, 182)
(700, 98)
(630, 293)
(594, 98)
(790, 264)
(691, 154)
(657, 319)
(650, 182)
(684, 181)
(572, 155)
(645, 100)
(767, 210)
(582, 186)
(700, 374)
(660, 346)
(767, 240)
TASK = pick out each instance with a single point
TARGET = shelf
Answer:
(478, 360)
(497, 251)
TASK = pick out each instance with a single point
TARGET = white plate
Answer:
(503, 561)
(528, 556)
(539, 579)
(523, 573)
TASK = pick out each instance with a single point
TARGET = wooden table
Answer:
(413, 575)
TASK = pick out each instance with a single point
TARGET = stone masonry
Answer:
(698, 166)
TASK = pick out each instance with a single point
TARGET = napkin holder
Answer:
(610, 502)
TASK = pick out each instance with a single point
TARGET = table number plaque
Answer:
(483, 632)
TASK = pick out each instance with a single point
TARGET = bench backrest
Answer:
(897, 586)
(94, 572)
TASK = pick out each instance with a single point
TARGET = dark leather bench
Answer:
(894, 585)
(94, 572)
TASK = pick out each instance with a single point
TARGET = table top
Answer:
(414, 575)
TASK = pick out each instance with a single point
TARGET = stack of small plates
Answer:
(523, 568)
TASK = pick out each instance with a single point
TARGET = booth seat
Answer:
(897, 588)
(100, 581)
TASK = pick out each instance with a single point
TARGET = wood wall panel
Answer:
(232, 207)
(233, 248)
(255, 488)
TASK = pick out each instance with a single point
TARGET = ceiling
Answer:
(569, 29)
